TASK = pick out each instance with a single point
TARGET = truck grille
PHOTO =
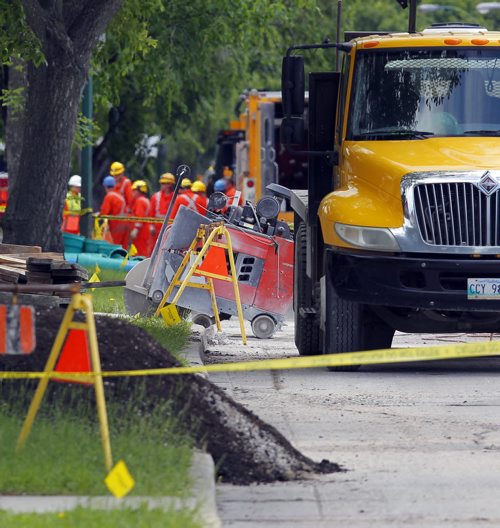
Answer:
(457, 214)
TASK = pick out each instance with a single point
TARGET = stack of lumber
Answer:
(29, 265)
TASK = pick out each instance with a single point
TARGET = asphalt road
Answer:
(420, 442)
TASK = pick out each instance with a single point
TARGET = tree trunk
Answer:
(68, 33)
(15, 121)
(36, 200)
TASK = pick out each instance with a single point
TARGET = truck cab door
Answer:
(269, 167)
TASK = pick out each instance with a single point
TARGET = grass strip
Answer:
(85, 518)
(108, 300)
(173, 338)
(64, 456)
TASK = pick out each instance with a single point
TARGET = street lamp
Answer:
(432, 8)
(459, 12)
(485, 7)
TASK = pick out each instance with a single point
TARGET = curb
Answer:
(193, 353)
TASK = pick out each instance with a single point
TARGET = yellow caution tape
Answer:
(142, 219)
(373, 357)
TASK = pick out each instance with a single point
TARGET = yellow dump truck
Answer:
(399, 227)
(251, 147)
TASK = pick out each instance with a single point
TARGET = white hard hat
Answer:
(75, 181)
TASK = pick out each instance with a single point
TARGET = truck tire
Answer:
(306, 328)
(352, 327)
(344, 327)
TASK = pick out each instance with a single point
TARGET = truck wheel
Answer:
(344, 327)
(263, 326)
(306, 327)
(352, 327)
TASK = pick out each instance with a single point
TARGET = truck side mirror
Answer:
(293, 85)
(292, 131)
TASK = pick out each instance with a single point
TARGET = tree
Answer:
(185, 85)
(162, 64)
(66, 34)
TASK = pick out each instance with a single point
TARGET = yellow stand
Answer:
(83, 303)
(215, 232)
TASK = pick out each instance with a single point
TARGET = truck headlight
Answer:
(376, 238)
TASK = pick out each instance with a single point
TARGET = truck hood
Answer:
(382, 164)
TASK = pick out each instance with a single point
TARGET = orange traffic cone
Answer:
(75, 356)
(215, 261)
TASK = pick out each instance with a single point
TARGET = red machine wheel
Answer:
(263, 326)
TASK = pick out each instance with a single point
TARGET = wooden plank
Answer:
(16, 248)
(61, 265)
(10, 274)
(12, 261)
(10, 269)
(71, 275)
(39, 264)
(8, 277)
(48, 255)
(38, 277)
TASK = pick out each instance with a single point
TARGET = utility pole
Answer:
(412, 19)
(86, 164)
(412, 15)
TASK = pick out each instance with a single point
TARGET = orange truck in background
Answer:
(252, 149)
(4, 192)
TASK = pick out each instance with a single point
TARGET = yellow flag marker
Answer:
(170, 314)
(124, 261)
(132, 251)
(97, 269)
(119, 481)
(94, 278)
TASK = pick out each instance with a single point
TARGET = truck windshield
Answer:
(422, 93)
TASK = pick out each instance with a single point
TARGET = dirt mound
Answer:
(245, 448)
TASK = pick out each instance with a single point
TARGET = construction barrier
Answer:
(213, 267)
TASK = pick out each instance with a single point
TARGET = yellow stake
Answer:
(221, 230)
(84, 303)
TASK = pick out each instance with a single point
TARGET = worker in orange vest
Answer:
(193, 198)
(114, 205)
(160, 202)
(73, 206)
(200, 196)
(122, 184)
(231, 191)
(140, 234)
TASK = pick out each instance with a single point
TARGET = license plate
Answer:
(483, 289)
